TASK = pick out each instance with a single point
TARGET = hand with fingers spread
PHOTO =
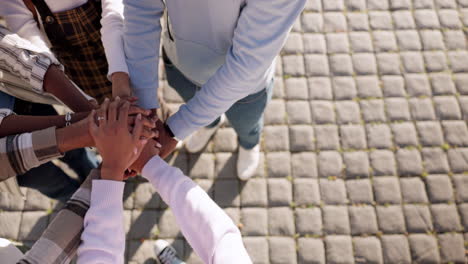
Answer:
(118, 146)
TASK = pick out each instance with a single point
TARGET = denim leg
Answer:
(184, 87)
(7, 101)
(246, 116)
(50, 181)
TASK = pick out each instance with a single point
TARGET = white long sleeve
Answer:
(103, 238)
(207, 228)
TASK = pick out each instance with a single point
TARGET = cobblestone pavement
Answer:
(364, 152)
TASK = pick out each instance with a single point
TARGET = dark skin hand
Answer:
(168, 143)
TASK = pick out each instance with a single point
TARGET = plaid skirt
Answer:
(84, 57)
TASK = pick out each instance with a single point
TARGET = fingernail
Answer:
(158, 145)
(139, 116)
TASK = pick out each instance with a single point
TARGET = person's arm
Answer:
(261, 31)
(142, 32)
(207, 228)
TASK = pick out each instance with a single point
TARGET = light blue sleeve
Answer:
(260, 34)
(142, 34)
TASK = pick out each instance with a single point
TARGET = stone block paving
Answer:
(364, 151)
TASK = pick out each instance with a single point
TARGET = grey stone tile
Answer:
(430, 133)
(337, 43)
(445, 217)
(456, 133)
(393, 86)
(225, 140)
(424, 248)
(379, 136)
(387, 190)
(447, 108)
(10, 202)
(451, 248)
(400, 4)
(347, 112)
(301, 138)
(312, 22)
(377, 5)
(404, 134)
(333, 191)
(296, 88)
(334, 22)
(403, 19)
(353, 137)
(330, 163)
(254, 221)
(166, 226)
(344, 88)
(417, 85)
(254, 193)
(456, 59)
(275, 113)
(418, 218)
(423, 4)
(432, 40)
(316, 65)
(293, 44)
(306, 192)
(282, 250)
(341, 64)
(368, 86)
(276, 138)
(364, 63)
(360, 191)
(203, 165)
(449, 19)
(383, 162)
(33, 224)
(298, 112)
(225, 165)
(412, 62)
(409, 162)
(279, 164)
(314, 43)
(293, 65)
(363, 220)
(337, 5)
(461, 185)
(384, 41)
(422, 109)
(361, 42)
(309, 221)
(358, 21)
(454, 40)
(257, 248)
(279, 192)
(408, 40)
(435, 160)
(304, 165)
(463, 210)
(396, 249)
(327, 137)
(426, 19)
(311, 250)
(367, 250)
(391, 219)
(320, 88)
(10, 224)
(435, 61)
(373, 110)
(146, 197)
(336, 220)
(35, 201)
(356, 164)
(281, 221)
(388, 63)
(397, 109)
(380, 20)
(322, 112)
(226, 193)
(413, 190)
(458, 159)
(339, 249)
(446, 4)
(356, 5)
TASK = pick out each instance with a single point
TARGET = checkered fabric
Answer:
(84, 60)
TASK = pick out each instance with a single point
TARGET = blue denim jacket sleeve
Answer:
(142, 33)
(7, 101)
(261, 32)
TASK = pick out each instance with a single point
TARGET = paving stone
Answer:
(279, 192)
(10, 224)
(397, 109)
(418, 218)
(225, 165)
(426, 19)
(358, 21)
(463, 209)
(344, 88)
(391, 219)
(278, 164)
(442, 4)
(282, 250)
(456, 133)
(278, 89)
(422, 109)
(254, 193)
(360, 191)
(412, 62)
(384, 41)
(423, 4)
(335, 220)
(409, 162)
(36, 201)
(373, 110)
(281, 221)
(314, 43)
(309, 221)
(203, 165)
(333, 191)
(327, 137)
(225, 193)
(334, 22)
(413, 190)
(347, 112)
(404, 134)
(296, 89)
(449, 19)
(387, 190)
(306, 192)
(463, 100)
(10, 202)
(279, 66)
(445, 217)
(293, 44)
(312, 22)
(330, 163)
(364, 63)
(301, 138)
(225, 140)
(400, 4)
(432, 40)
(368, 86)
(32, 226)
(383, 162)
(254, 221)
(276, 138)
(430, 133)
(435, 61)
(447, 108)
(146, 197)
(316, 65)
(403, 20)
(337, 5)
(435, 160)
(311, 250)
(439, 188)
(322, 112)
(367, 250)
(275, 112)
(396, 249)
(393, 86)
(298, 112)
(166, 225)
(257, 248)
(363, 220)
(454, 39)
(337, 43)
(417, 85)
(144, 224)
(457, 59)
(424, 248)
(293, 65)
(339, 249)
(379, 136)
(142, 252)
(380, 20)
(361, 42)
(341, 64)
(461, 186)
(451, 248)
(458, 159)
(353, 137)
(388, 63)
(356, 164)
(304, 165)
(206, 185)
(320, 88)
(408, 40)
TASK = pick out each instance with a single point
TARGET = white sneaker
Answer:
(165, 254)
(198, 140)
(247, 162)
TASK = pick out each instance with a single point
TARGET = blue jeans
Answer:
(245, 116)
(49, 179)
